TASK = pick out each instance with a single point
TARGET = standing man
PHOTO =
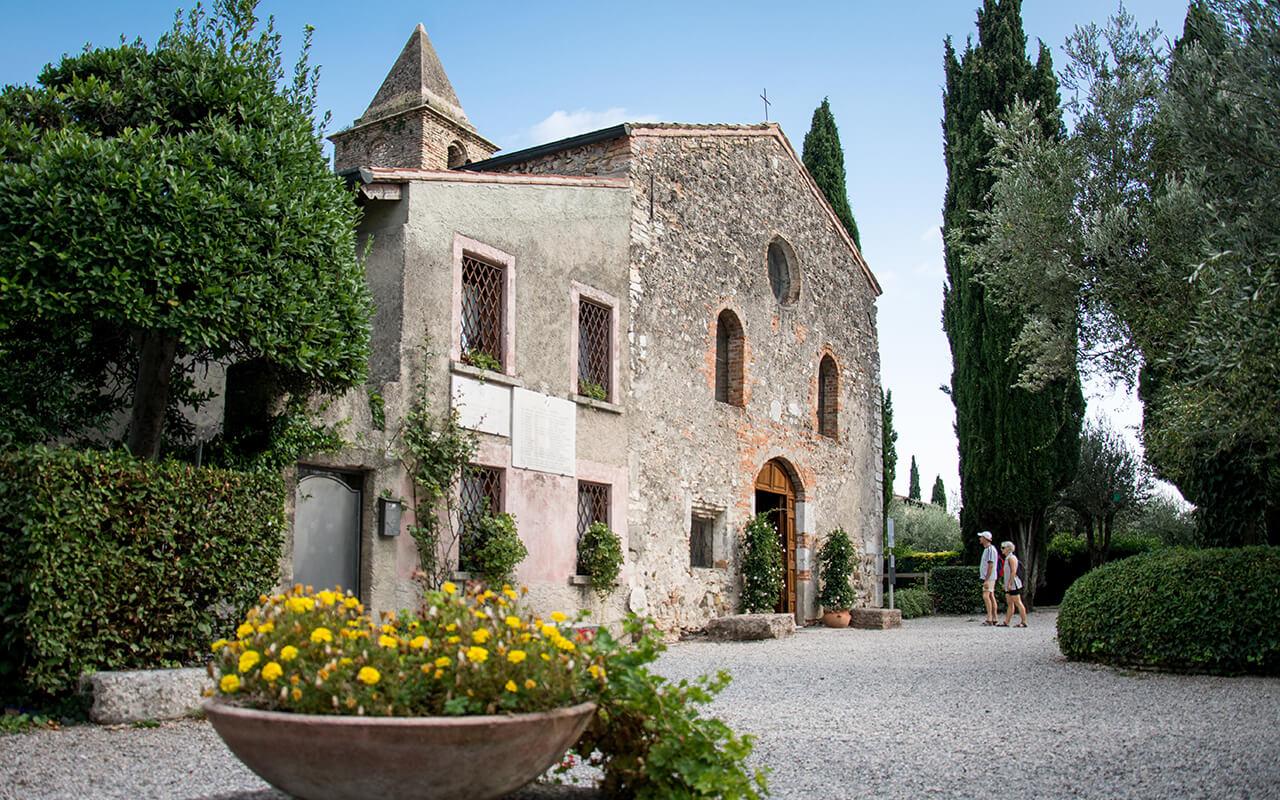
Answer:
(987, 573)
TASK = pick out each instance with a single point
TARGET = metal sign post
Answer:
(892, 566)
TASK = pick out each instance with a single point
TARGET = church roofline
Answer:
(685, 129)
(376, 175)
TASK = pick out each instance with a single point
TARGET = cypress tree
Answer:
(888, 447)
(913, 492)
(824, 158)
(939, 497)
(1017, 448)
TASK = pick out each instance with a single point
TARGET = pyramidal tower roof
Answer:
(416, 79)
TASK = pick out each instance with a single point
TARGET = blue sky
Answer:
(529, 72)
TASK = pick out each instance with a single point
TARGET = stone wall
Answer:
(607, 158)
(418, 138)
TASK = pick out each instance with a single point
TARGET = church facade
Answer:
(662, 327)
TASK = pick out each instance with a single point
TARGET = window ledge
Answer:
(583, 400)
(579, 580)
(458, 368)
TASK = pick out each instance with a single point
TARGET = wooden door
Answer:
(775, 483)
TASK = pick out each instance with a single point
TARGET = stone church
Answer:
(659, 326)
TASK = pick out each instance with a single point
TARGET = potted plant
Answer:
(761, 567)
(468, 697)
(600, 557)
(835, 566)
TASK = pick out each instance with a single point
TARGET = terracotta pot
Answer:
(324, 757)
(836, 619)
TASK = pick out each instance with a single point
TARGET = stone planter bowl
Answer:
(331, 757)
(836, 619)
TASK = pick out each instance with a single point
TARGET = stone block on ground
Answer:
(144, 694)
(875, 618)
(750, 627)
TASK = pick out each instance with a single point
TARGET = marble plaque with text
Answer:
(482, 406)
(543, 432)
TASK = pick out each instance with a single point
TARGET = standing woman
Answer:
(1012, 588)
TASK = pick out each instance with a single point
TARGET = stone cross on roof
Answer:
(416, 79)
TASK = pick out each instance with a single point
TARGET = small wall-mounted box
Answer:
(389, 512)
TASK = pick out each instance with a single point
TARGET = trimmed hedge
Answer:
(955, 590)
(913, 603)
(1068, 559)
(1214, 610)
(915, 561)
(107, 562)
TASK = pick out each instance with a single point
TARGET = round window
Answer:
(784, 272)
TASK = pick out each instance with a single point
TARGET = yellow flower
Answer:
(550, 630)
(266, 627)
(388, 641)
(218, 645)
(271, 672)
(350, 602)
(487, 594)
(564, 644)
(296, 694)
(320, 635)
(326, 597)
(477, 654)
(596, 671)
(439, 672)
(481, 615)
(545, 657)
(511, 686)
(516, 656)
(388, 628)
(480, 636)
(418, 642)
(368, 676)
(345, 661)
(449, 587)
(300, 605)
(248, 659)
(513, 622)
(229, 683)
(454, 639)
(245, 630)
(442, 661)
(558, 617)
(509, 592)
(530, 683)
(288, 653)
(451, 627)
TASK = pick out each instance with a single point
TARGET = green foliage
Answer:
(913, 488)
(824, 158)
(377, 410)
(913, 602)
(835, 568)
(115, 563)
(926, 528)
(289, 435)
(1018, 448)
(1165, 519)
(600, 557)
(939, 495)
(492, 548)
(591, 389)
(651, 739)
(17, 722)
(435, 449)
(1109, 481)
(1214, 610)
(907, 560)
(955, 590)
(888, 447)
(165, 209)
(482, 360)
(761, 567)
(1069, 559)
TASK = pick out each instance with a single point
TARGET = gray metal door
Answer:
(326, 530)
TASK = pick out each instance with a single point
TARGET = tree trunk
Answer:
(1032, 554)
(151, 393)
(1273, 524)
(1108, 522)
(1094, 556)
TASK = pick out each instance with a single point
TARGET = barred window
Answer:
(595, 350)
(828, 397)
(593, 506)
(729, 359)
(483, 312)
(480, 494)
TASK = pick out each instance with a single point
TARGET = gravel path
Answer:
(942, 708)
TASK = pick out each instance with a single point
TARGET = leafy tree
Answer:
(1153, 230)
(888, 447)
(1163, 518)
(1017, 448)
(1108, 483)
(165, 209)
(824, 158)
(913, 489)
(939, 496)
(925, 529)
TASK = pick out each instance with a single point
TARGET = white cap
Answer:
(984, 535)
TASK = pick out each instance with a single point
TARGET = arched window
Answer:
(828, 397)
(729, 359)
(457, 155)
(784, 271)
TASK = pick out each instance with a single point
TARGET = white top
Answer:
(1011, 579)
(987, 566)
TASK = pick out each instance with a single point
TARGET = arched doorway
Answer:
(776, 496)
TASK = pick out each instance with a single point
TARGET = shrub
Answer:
(600, 557)
(926, 528)
(835, 565)
(955, 590)
(908, 560)
(649, 736)
(913, 602)
(115, 563)
(761, 566)
(299, 651)
(1068, 559)
(1215, 610)
(496, 550)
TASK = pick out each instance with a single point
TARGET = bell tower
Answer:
(415, 120)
